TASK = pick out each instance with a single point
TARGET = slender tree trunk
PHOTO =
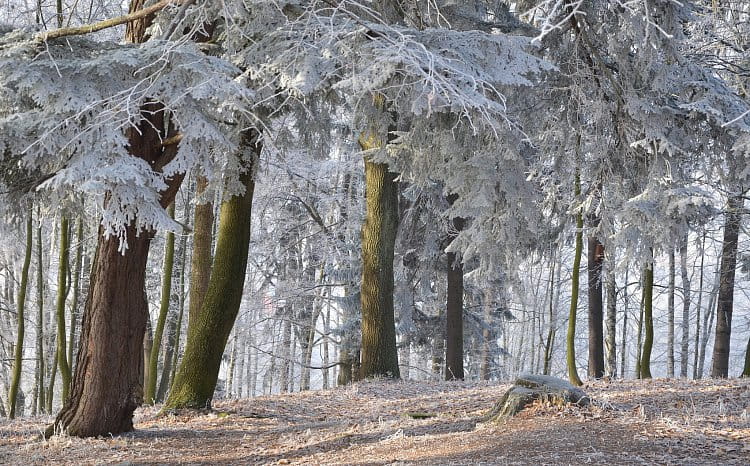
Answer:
(207, 334)
(746, 368)
(40, 356)
(610, 342)
(698, 309)
(18, 357)
(571, 336)
(720, 364)
(166, 295)
(178, 325)
(286, 343)
(648, 341)
(62, 293)
(670, 316)
(625, 311)
(596, 309)
(550, 342)
(379, 353)
(685, 325)
(708, 320)
(76, 293)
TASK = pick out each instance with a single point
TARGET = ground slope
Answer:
(631, 422)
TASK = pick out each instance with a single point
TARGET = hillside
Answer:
(631, 422)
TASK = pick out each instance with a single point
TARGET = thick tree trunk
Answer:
(15, 382)
(454, 310)
(648, 321)
(198, 373)
(596, 308)
(200, 266)
(379, 353)
(720, 364)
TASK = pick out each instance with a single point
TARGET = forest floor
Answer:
(681, 422)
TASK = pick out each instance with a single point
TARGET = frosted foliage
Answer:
(67, 104)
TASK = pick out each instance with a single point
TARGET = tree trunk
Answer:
(670, 316)
(166, 294)
(62, 293)
(625, 311)
(746, 369)
(198, 373)
(720, 364)
(610, 342)
(698, 309)
(40, 357)
(379, 353)
(571, 336)
(648, 320)
(76, 293)
(18, 357)
(596, 309)
(454, 310)
(685, 325)
(200, 265)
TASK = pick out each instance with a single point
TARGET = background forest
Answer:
(315, 192)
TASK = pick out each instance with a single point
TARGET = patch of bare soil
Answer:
(379, 422)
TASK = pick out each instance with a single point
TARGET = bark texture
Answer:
(454, 311)
(720, 363)
(570, 357)
(596, 308)
(200, 266)
(648, 321)
(18, 356)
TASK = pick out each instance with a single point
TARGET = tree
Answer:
(454, 311)
(62, 293)
(570, 338)
(198, 372)
(648, 321)
(379, 353)
(596, 308)
(720, 364)
(18, 357)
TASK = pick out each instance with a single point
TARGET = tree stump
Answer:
(528, 388)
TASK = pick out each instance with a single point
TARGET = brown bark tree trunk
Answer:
(720, 364)
(596, 309)
(454, 310)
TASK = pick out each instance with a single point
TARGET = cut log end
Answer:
(528, 388)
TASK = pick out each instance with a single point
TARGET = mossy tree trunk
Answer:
(570, 338)
(200, 266)
(15, 382)
(720, 361)
(207, 335)
(379, 354)
(166, 294)
(62, 293)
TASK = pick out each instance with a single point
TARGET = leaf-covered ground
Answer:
(630, 422)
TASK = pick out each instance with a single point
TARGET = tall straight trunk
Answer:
(553, 298)
(625, 311)
(454, 310)
(639, 338)
(708, 320)
(326, 346)
(181, 307)
(166, 295)
(40, 356)
(685, 325)
(570, 340)
(698, 309)
(648, 320)
(596, 308)
(379, 353)
(198, 373)
(62, 293)
(610, 343)
(720, 364)
(670, 316)
(485, 367)
(116, 311)
(229, 387)
(78, 263)
(200, 265)
(438, 346)
(15, 382)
